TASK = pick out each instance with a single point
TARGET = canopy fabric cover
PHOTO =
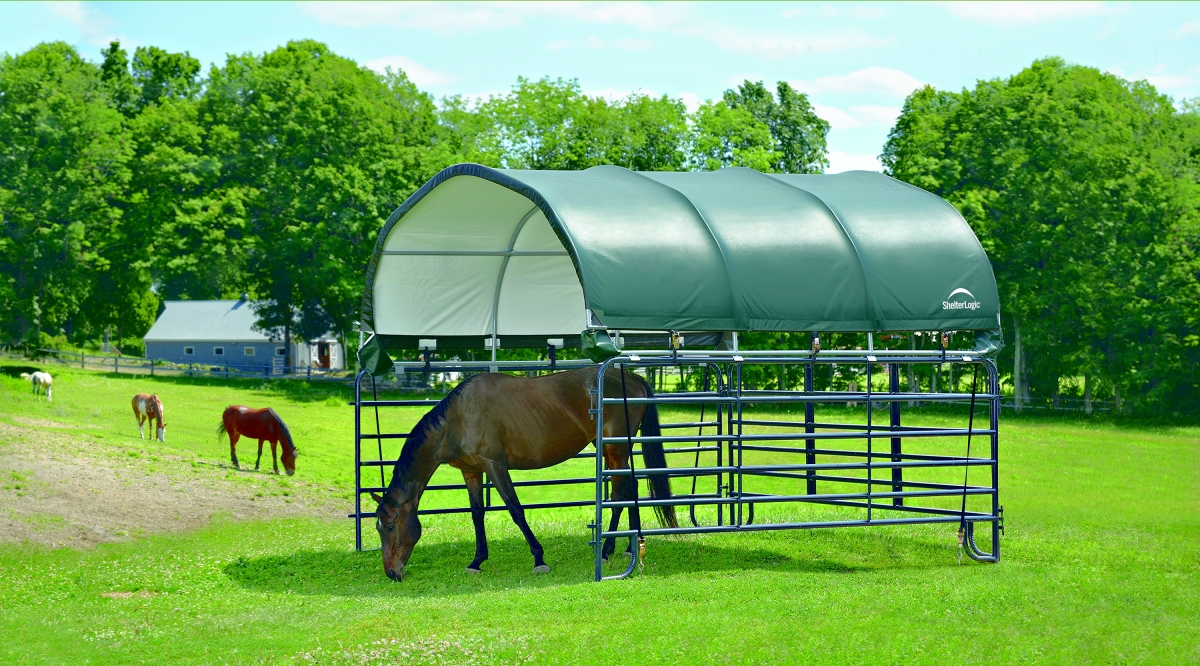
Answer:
(479, 252)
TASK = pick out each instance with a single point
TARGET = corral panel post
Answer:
(598, 413)
(810, 445)
(737, 367)
(897, 472)
(358, 461)
(994, 425)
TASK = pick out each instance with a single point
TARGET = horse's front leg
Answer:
(274, 456)
(256, 462)
(504, 485)
(474, 481)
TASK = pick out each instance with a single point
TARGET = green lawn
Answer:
(1101, 563)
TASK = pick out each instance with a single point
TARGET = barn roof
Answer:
(206, 321)
(478, 251)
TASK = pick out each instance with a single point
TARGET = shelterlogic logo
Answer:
(965, 300)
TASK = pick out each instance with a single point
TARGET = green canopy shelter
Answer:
(480, 254)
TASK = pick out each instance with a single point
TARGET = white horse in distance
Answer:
(42, 381)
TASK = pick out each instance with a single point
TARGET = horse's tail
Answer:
(654, 456)
(221, 429)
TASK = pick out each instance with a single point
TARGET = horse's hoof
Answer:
(542, 568)
(473, 571)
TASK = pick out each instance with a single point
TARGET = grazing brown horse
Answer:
(263, 425)
(493, 423)
(149, 409)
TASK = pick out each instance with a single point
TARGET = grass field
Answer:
(1101, 561)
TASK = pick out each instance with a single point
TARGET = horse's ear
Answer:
(377, 497)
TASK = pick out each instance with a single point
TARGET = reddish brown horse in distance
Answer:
(263, 425)
(493, 423)
(149, 409)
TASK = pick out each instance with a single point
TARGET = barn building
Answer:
(223, 333)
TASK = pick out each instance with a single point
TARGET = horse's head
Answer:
(399, 529)
(162, 431)
(290, 453)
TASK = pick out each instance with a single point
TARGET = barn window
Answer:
(218, 351)
(279, 351)
(248, 351)
(188, 351)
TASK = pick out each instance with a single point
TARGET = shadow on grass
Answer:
(438, 570)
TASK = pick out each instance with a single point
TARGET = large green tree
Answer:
(1081, 187)
(64, 170)
(316, 152)
(552, 124)
(797, 132)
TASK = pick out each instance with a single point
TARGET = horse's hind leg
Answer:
(474, 481)
(234, 436)
(499, 475)
(259, 459)
(624, 490)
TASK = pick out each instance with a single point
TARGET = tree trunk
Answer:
(1087, 395)
(1018, 368)
(1116, 400)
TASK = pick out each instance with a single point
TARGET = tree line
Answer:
(141, 179)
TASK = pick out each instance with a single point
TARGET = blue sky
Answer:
(857, 61)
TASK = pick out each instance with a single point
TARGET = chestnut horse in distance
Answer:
(149, 409)
(263, 425)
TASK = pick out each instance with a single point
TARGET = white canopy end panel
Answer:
(472, 259)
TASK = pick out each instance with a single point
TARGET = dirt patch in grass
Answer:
(43, 423)
(68, 489)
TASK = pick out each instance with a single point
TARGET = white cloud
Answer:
(868, 80)
(784, 46)
(93, 24)
(417, 73)
(1160, 78)
(1017, 13)
(630, 44)
(840, 161)
(595, 42)
(454, 18)
(440, 18)
(857, 116)
(868, 12)
(691, 100)
(1189, 29)
(559, 45)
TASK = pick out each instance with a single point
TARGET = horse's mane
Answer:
(432, 420)
(282, 426)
